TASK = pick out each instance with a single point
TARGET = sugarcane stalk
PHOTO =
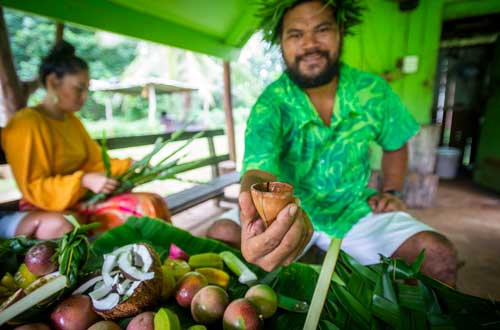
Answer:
(323, 284)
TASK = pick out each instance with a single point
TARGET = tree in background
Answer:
(31, 38)
(113, 57)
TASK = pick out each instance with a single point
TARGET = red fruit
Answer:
(241, 314)
(74, 313)
(188, 286)
(38, 259)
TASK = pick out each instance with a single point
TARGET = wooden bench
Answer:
(182, 200)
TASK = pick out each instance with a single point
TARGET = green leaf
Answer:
(418, 263)
(105, 156)
(412, 297)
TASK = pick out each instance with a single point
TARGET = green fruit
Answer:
(202, 260)
(168, 283)
(208, 304)
(179, 267)
(241, 314)
(264, 298)
(165, 319)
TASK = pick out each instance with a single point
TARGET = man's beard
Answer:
(330, 71)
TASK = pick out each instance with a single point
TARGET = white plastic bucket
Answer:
(448, 160)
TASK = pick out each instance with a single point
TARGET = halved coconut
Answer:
(135, 285)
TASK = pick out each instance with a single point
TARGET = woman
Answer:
(54, 160)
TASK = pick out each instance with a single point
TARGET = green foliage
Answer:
(347, 13)
(359, 297)
(32, 37)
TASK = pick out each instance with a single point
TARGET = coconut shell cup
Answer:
(270, 198)
(145, 295)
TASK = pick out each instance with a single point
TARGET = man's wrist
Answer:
(394, 192)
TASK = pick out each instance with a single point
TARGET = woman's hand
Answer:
(99, 183)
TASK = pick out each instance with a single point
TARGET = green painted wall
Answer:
(387, 35)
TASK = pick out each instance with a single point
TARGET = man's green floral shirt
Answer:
(328, 165)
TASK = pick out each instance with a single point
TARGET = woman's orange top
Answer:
(49, 157)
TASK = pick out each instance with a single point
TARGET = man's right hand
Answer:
(280, 243)
(99, 183)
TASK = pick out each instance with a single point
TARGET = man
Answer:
(312, 128)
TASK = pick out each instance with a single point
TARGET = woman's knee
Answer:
(44, 225)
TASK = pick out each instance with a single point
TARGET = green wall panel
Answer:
(387, 35)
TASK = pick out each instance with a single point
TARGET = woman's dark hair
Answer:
(61, 61)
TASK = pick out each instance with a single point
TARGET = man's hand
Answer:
(385, 202)
(280, 243)
(99, 183)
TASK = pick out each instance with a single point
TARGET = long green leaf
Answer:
(105, 156)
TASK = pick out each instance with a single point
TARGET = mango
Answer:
(208, 304)
(188, 286)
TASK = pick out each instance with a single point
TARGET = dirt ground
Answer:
(469, 216)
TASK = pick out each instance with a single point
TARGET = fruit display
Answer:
(132, 280)
(132, 288)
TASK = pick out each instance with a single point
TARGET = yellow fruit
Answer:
(165, 319)
(168, 284)
(8, 282)
(24, 277)
(215, 276)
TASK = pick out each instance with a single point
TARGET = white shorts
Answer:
(9, 222)
(373, 235)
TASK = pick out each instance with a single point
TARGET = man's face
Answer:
(310, 43)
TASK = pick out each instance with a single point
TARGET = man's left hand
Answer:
(385, 202)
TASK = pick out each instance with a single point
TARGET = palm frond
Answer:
(270, 13)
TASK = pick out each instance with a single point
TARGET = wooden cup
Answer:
(270, 198)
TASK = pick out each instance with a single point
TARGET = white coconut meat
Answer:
(122, 272)
(106, 303)
(126, 266)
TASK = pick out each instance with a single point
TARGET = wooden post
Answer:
(228, 110)
(109, 109)
(12, 89)
(152, 103)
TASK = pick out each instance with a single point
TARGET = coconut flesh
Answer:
(126, 272)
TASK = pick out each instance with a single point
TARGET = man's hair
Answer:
(271, 12)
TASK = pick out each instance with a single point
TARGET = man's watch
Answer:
(395, 193)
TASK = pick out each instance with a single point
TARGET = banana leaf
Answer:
(360, 297)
